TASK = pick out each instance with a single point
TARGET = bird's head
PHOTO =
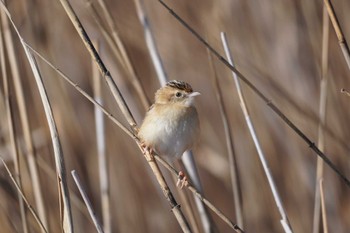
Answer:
(176, 92)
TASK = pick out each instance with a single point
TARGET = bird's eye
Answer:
(178, 94)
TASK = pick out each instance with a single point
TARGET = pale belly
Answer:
(171, 137)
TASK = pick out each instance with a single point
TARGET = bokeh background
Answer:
(277, 45)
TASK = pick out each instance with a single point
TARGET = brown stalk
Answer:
(324, 212)
(87, 202)
(229, 144)
(37, 219)
(341, 39)
(101, 152)
(10, 121)
(118, 47)
(126, 112)
(322, 117)
(24, 119)
(67, 223)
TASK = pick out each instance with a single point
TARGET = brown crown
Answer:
(180, 85)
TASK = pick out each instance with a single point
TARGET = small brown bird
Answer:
(171, 125)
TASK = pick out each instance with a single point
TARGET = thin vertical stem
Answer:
(284, 221)
(151, 44)
(67, 220)
(324, 212)
(101, 151)
(67, 223)
(24, 119)
(11, 126)
(230, 149)
(322, 116)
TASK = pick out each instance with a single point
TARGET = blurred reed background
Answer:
(277, 45)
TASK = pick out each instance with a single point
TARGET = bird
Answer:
(171, 125)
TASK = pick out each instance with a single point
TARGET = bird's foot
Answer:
(146, 149)
(181, 180)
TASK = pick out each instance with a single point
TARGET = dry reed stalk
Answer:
(105, 73)
(268, 102)
(324, 212)
(127, 114)
(32, 211)
(67, 223)
(87, 202)
(284, 221)
(341, 39)
(24, 119)
(117, 46)
(123, 52)
(12, 136)
(130, 134)
(192, 171)
(322, 117)
(101, 151)
(236, 189)
(186, 204)
(151, 44)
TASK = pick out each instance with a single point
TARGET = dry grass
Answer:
(276, 45)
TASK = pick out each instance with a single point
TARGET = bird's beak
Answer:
(193, 94)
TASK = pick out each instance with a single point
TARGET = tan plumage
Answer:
(171, 125)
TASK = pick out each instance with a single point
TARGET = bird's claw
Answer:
(146, 149)
(181, 180)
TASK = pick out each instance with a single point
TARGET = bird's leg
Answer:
(181, 180)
